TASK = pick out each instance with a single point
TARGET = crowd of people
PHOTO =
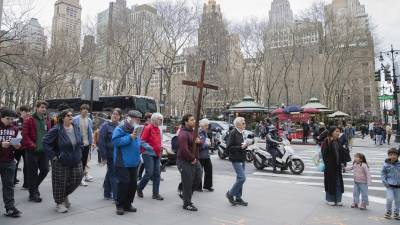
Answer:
(124, 144)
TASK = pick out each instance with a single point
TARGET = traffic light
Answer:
(378, 75)
(388, 76)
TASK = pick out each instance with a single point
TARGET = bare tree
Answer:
(178, 25)
(252, 34)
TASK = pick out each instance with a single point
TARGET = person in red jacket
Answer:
(151, 154)
(33, 131)
(7, 163)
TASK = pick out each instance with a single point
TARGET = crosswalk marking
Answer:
(312, 177)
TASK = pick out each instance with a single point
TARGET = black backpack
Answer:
(174, 144)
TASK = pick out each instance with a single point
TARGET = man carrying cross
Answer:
(188, 141)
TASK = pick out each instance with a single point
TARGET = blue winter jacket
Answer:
(76, 120)
(126, 150)
(56, 143)
(105, 143)
(391, 174)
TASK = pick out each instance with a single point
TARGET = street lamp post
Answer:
(392, 53)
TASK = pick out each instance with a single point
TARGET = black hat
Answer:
(393, 150)
(134, 114)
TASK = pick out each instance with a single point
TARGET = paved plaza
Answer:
(282, 199)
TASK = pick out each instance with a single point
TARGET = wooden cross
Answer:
(200, 85)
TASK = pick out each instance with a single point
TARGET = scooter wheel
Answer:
(296, 166)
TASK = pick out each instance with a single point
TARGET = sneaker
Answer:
(13, 212)
(35, 198)
(60, 208)
(363, 206)
(158, 197)
(88, 178)
(339, 204)
(130, 208)
(396, 216)
(83, 183)
(331, 203)
(210, 189)
(354, 205)
(241, 202)
(190, 207)
(67, 203)
(388, 215)
(230, 198)
(139, 193)
(120, 211)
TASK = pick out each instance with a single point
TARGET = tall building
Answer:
(283, 31)
(67, 22)
(280, 15)
(352, 15)
(213, 47)
(33, 37)
(110, 24)
(144, 21)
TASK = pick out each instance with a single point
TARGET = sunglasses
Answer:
(68, 115)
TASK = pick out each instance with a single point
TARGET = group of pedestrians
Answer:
(334, 159)
(380, 133)
(124, 143)
(38, 142)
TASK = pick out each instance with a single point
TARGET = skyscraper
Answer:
(110, 24)
(33, 37)
(280, 15)
(67, 22)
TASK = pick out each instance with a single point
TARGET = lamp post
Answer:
(392, 54)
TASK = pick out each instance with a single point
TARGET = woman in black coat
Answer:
(332, 155)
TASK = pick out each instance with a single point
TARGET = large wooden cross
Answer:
(200, 85)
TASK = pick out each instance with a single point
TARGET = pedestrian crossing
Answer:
(312, 177)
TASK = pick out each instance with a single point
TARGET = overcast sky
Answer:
(385, 14)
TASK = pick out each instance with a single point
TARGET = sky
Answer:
(384, 13)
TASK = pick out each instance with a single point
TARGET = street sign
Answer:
(385, 97)
(90, 89)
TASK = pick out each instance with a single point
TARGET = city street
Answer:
(273, 199)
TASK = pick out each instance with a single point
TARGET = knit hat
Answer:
(393, 150)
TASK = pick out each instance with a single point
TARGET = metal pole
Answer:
(91, 98)
(396, 105)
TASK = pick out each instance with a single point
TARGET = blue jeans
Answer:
(392, 194)
(360, 188)
(110, 181)
(152, 171)
(237, 188)
(335, 198)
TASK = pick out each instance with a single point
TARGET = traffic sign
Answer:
(385, 97)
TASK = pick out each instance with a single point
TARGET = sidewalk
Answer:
(272, 203)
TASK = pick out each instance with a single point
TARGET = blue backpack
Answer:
(174, 144)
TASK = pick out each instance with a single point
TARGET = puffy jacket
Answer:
(126, 149)
(105, 143)
(391, 173)
(6, 134)
(77, 120)
(56, 143)
(151, 140)
(29, 132)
